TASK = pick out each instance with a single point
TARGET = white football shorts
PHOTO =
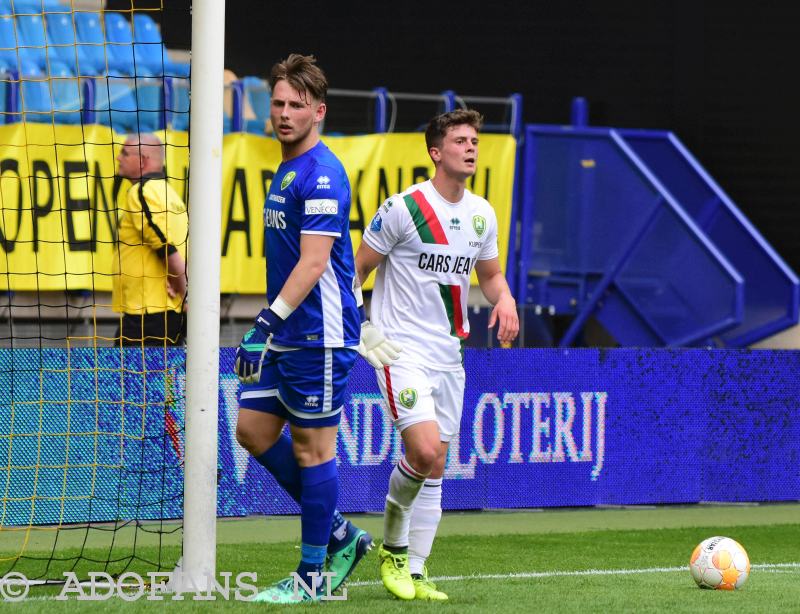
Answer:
(415, 393)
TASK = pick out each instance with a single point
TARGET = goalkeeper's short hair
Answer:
(303, 74)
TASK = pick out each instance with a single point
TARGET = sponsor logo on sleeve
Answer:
(322, 206)
(287, 179)
(323, 182)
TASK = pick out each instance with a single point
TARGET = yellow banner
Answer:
(59, 195)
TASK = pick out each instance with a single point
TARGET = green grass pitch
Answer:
(592, 560)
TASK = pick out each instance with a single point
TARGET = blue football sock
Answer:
(317, 505)
(279, 460)
(312, 560)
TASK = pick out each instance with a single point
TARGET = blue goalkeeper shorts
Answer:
(305, 386)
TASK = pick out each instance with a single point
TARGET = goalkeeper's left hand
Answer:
(254, 345)
(379, 351)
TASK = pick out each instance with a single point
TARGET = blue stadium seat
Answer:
(257, 93)
(129, 107)
(178, 104)
(8, 42)
(47, 100)
(5, 86)
(61, 32)
(36, 6)
(120, 46)
(150, 49)
(90, 34)
(32, 42)
(66, 95)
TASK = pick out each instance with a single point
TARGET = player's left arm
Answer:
(495, 288)
(315, 251)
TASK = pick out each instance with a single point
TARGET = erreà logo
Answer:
(408, 397)
(479, 224)
(287, 179)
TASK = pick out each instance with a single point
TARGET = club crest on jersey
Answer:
(479, 224)
(287, 179)
(377, 223)
(408, 397)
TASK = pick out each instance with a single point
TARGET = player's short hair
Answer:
(439, 125)
(303, 74)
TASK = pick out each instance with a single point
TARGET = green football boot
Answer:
(395, 575)
(343, 562)
(425, 589)
(284, 592)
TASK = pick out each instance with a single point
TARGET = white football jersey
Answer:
(421, 288)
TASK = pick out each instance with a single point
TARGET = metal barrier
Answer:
(625, 226)
(384, 111)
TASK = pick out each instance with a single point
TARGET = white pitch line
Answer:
(583, 572)
(769, 567)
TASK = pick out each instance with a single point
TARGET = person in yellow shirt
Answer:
(149, 284)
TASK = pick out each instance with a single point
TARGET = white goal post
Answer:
(202, 353)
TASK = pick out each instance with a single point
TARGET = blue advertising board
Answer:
(98, 435)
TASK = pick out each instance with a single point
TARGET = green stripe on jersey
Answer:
(429, 229)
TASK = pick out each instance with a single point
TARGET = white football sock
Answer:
(425, 519)
(404, 486)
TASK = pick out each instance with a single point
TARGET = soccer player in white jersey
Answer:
(295, 361)
(425, 242)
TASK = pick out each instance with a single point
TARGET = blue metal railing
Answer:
(603, 237)
(585, 248)
(772, 296)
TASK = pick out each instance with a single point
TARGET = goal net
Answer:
(92, 442)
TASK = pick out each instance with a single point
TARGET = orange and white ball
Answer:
(720, 563)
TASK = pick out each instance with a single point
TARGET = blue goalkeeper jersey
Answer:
(310, 194)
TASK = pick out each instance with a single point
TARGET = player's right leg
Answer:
(409, 400)
(311, 387)
(260, 425)
(260, 431)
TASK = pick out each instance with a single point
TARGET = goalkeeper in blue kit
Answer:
(295, 361)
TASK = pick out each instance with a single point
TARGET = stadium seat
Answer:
(115, 104)
(8, 43)
(150, 49)
(178, 104)
(61, 32)
(32, 42)
(120, 46)
(47, 100)
(257, 92)
(89, 31)
(66, 95)
(37, 6)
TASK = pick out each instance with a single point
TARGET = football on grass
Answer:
(720, 563)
